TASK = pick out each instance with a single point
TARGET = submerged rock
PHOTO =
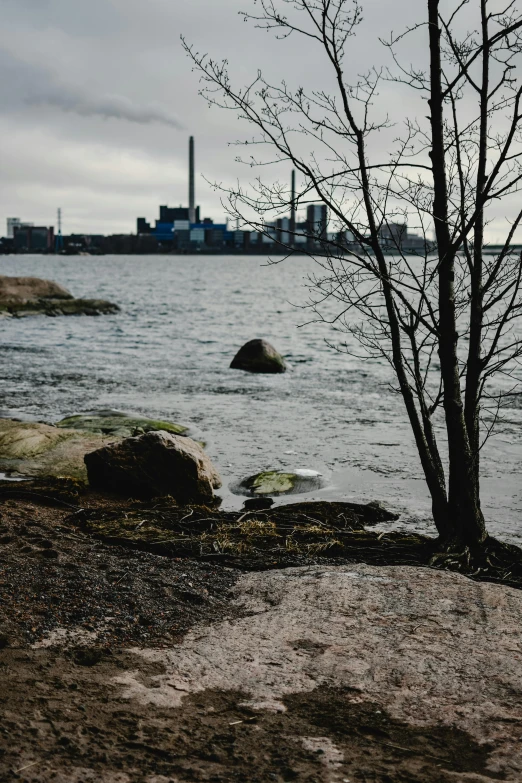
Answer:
(154, 464)
(278, 482)
(21, 296)
(121, 425)
(258, 356)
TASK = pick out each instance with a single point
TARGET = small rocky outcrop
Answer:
(279, 482)
(20, 296)
(152, 465)
(258, 356)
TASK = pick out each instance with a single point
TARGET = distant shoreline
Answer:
(491, 250)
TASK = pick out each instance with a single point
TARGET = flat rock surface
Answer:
(430, 649)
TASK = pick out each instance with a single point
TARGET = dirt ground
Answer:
(65, 722)
(72, 607)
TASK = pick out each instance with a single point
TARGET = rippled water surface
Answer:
(168, 354)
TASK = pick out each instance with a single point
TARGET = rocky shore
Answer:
(157, 640)
(23, 296)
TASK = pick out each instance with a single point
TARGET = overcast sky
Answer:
(97, 100)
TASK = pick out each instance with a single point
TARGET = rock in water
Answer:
(20, 290)
(154, 464)
(279, 482)
(258, 356)
(20, 296)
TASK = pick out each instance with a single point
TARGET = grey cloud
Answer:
(27, 85)
(67, 65)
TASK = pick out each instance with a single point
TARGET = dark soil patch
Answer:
(54, 575)
(62, 718)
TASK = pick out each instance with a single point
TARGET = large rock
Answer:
(20, 290)
(154, 464)
(258, 356)
(21, 296)
(43, 451)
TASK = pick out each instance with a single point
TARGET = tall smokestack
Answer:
(292, 211)
(192, 195)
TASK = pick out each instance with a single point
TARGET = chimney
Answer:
(192, 197)
(292, 211)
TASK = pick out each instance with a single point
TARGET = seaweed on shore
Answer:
(295, 534)
(290, 535)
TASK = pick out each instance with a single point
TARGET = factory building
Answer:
(395, 237)
(178, 226)
(13, 222)
(316, 224)
(182, 229)
(33, 239)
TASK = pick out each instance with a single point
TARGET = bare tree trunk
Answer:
(424, 440)
(466, 518)
(474, 367)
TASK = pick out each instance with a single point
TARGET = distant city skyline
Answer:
(97, 101)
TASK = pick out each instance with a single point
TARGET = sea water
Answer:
(167, 354)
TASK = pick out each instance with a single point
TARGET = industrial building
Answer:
(181, 229)
(33, 239)
(395, 237)
(177, 227)
(12, 223)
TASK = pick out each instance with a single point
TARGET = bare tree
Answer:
(446, 321)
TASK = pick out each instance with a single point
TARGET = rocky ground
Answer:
(122, 662)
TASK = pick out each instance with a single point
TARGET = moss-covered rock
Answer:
(120, 425)
(44, 451)
(54, 307)
(277, 482)
(38, 450)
